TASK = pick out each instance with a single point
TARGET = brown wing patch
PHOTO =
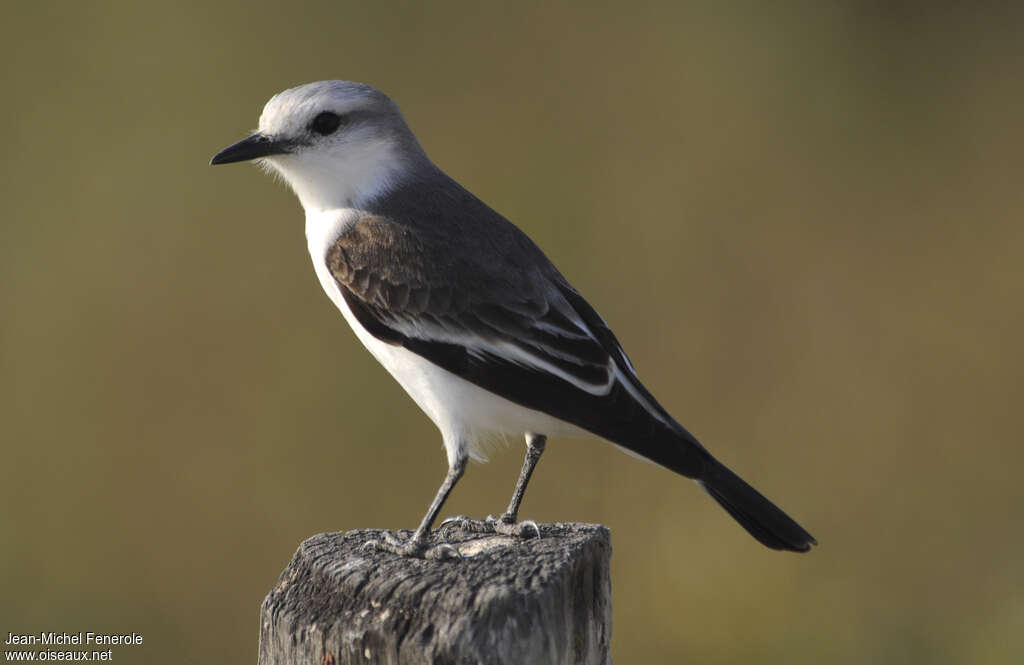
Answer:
(382, 263)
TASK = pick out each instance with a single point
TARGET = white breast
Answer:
(461, 410)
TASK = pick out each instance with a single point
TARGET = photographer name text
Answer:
(86, 638)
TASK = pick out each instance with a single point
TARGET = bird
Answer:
(465, 311)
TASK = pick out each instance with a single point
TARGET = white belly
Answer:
(463, 411)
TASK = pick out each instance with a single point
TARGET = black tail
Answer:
(759, 516)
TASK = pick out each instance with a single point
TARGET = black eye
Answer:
(326, 123)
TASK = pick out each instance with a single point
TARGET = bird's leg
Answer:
(416, 546)
(507, 524)
(535, 444)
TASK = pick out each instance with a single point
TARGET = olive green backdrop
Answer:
(804, 224)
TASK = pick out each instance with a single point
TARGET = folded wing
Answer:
(521, 332)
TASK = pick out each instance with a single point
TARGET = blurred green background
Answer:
(828, 198)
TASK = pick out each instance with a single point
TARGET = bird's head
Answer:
(336, 143)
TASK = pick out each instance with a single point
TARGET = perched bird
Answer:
(464, 310)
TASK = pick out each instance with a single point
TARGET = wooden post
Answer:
(505, 602)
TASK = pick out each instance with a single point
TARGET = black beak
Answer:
(256, 146)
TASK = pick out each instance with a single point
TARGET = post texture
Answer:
(505, 602)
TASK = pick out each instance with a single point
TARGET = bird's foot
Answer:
(506, 525)
(415, 547)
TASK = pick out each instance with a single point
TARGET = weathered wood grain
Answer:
(506, 601)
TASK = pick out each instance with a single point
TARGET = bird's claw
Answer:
(413, 547)
(454, 520)
(464, 523)
(443, 552)
(504, 525)
(527, 526)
